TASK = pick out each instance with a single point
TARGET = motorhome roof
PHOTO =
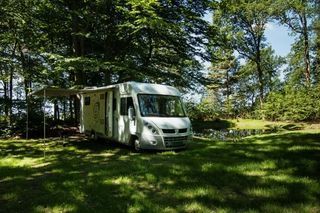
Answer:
(145, 88)
(138, 88)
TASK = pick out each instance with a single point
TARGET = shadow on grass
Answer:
(270, 173)
(98, 146)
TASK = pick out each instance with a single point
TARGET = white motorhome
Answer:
(146, 116)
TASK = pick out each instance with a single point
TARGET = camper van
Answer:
(142, 115)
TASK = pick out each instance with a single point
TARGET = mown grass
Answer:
(251, 124)
(271, 173)
(258, 124)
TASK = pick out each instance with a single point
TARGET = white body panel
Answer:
(104, 113)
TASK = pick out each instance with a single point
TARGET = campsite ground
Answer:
(254, 124)
(270, 173)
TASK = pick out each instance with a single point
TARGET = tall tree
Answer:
(78, 43)
(223, 77)
(246, 23)
(296, 16)
(316, 27)
(166, 36)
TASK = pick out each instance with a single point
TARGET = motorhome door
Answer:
(124, 122)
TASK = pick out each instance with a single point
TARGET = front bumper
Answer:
(165, 142)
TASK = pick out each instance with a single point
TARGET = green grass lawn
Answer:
(250, 124)
(270, 173)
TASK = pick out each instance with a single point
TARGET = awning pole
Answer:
(44, 114)
(44, 123)
(27, 131)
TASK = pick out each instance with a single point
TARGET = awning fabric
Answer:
(55, 92)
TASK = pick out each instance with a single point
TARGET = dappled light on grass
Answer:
(57, 208)
(274, 192)
(195, 207)
(261, 173)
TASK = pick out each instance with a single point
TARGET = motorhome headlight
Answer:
(151, 128)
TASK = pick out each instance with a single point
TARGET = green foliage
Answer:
(300, 17)
(165, 39)
(295, 104)
(239, 27)
(208, 109)
(97, 43)
(204, 111)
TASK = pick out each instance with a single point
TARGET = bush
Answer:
(293, 104)
(203, 111)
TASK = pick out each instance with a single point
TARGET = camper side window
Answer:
(125, 104)
(86, 100)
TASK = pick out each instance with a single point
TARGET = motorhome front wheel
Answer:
(137, 146)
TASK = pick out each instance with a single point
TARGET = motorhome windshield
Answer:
(160, 106)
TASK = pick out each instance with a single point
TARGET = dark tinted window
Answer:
(86, 100)
(125, 104)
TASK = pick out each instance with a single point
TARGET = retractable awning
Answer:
(50, 92)
(55, 92)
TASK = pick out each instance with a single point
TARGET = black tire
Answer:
(93, 136)
(136, 145)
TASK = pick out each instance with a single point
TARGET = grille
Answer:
(168, 131)
(175, 141)
(183, 130)
(173, 131)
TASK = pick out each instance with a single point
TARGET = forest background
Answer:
(79, 43)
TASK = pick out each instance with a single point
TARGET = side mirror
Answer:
(131, 113)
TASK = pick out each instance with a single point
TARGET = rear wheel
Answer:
(93, 136)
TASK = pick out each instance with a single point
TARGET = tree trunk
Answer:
(6, 108)
(260, 76)
(228, 92)
(71, 108)
(306, 49)
(317, 43)
(261, 85)
(10, 105)
(10, 96)
(55, 110)
(64, 109)
(27, 85)
(78, 48)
